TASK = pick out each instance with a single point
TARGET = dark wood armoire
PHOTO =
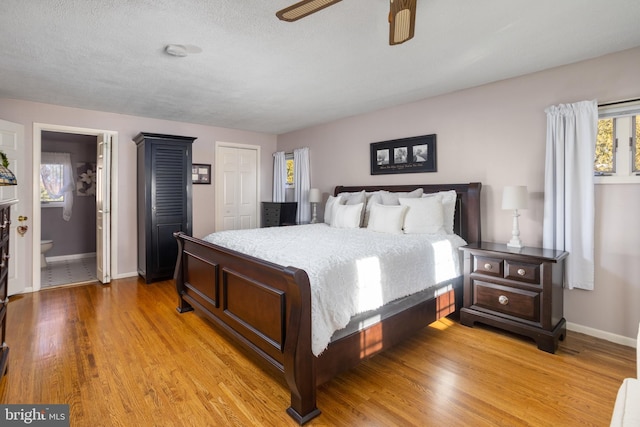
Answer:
(164, 201)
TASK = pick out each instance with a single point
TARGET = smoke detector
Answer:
(181, 50)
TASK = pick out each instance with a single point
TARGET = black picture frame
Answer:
(406, 155)
(200, 173)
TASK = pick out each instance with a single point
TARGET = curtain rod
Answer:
(608, 104)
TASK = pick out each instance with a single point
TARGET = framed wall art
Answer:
(200, 173)
(406, 155)
(86, 179)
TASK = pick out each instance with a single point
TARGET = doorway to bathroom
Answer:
(67, 208)
(72, 210)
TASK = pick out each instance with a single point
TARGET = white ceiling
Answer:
(261, 74)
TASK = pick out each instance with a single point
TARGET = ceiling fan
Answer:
(402, 16)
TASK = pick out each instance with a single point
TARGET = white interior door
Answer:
(11, 143)
(236, 188)
(103, 209)
(247, 188)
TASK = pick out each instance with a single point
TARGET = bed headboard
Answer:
(467, 217)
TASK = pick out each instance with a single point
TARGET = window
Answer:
(617, 153)
(56, 183)
(290, 166)
(51, 183)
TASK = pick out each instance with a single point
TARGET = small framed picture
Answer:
(200, 173)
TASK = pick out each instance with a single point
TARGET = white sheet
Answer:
(350, 270)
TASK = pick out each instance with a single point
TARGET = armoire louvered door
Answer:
(164, 201)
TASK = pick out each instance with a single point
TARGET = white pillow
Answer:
(347, 216)
(354, 198)
(448, 206)
(386, 219)
(329, 208)
(392, 198)
(424, 215)
(372, 198)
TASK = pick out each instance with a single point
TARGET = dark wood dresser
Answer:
(518, 290)
(276, 214)
(5, 223)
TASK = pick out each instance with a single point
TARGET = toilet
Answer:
(45, 245)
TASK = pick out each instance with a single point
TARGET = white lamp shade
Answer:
(314, 195)
(515, 197)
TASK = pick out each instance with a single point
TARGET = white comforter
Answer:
(350, 270)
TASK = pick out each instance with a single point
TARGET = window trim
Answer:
(51, 204)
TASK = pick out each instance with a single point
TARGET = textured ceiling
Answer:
(258, 73)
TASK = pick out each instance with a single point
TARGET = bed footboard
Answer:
(263, 306)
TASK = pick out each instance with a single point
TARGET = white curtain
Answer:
(302, 181)
(57, 186)
(279, 176)
(569, 188)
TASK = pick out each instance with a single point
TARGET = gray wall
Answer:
(78, 235)
(496, 134)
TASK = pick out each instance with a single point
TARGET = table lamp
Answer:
(315, 197)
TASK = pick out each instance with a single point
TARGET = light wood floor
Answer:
(121, 355)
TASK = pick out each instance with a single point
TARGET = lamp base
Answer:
(515, 243)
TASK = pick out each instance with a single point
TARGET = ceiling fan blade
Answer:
(402, 20)
(303, 8)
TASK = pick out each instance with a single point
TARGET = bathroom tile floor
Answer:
(68, 272)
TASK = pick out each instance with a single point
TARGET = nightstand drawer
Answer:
(520, 303)
(522, 272)
(490, 266)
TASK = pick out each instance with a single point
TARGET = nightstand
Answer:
(518, 290)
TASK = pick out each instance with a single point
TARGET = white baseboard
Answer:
(126, 275)
(618, 339)
(70, 257)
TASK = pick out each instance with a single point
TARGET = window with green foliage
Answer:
(617, 154)
(604, 162)
(636, 139)
(290, 166)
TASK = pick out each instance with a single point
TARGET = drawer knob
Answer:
(521, 272)
(488, 266)
(503, 300)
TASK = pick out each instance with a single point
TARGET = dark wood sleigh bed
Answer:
(267, 307)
